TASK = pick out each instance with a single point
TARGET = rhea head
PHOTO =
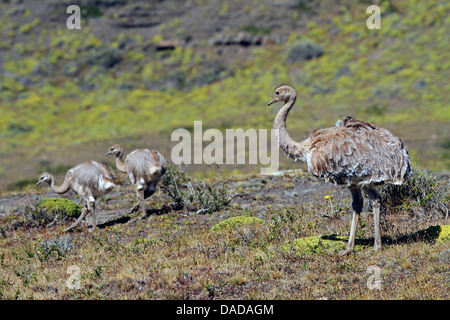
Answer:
(115, 149)
(45, 177)
(282, 93)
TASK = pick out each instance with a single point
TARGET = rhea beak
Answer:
(38, 183)
(108, 153)
(271, 101)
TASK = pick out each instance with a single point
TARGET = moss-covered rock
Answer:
(318, 245)
(60, 206)
(334, 244)
(236, 221)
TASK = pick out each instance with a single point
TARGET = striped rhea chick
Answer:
(90, 180)
(145, 167)
(353, 153)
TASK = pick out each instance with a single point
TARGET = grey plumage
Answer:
(352, 153)
(358, 153)
(145, 167)
(90, 180)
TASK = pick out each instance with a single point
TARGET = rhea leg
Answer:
(139, 194)
(94, 222)
(151, 188)
(144, 194)
(139, 205)
(375, 199)
(357, 205)
(142, 203)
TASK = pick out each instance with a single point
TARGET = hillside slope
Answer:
(137, 70)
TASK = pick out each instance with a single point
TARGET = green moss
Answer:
(318, 245)
(236, 221)
(58, 205)
(444, 234)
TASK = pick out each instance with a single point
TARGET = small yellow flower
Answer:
(38, 239)
(328, 196)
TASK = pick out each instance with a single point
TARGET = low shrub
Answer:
(304, 50)
(422, 189)
(55, 248)
(193, 195)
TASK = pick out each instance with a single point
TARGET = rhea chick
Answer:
(144, 167)
(90, 180)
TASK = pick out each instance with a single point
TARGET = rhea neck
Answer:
(291, 148)
(280, 119)
(59, 189)
(119, 163)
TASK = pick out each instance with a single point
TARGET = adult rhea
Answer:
(352, 153)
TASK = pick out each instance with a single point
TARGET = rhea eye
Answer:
(277, 93)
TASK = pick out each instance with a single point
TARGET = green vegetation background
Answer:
(62, 88)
